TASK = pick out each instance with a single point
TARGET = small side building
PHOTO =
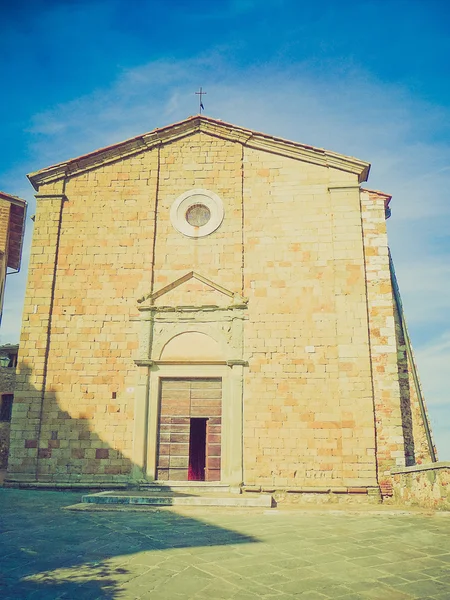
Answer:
(12, 227)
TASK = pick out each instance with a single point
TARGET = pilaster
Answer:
(390, 443)
(30, 391)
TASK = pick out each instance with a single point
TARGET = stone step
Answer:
(189, 487)
(178, 499)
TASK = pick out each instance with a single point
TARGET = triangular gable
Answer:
(167, 296)
(214, 127)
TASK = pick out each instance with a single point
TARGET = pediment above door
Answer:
(192, 290)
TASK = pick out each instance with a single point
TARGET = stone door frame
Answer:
(145, 454)
(157, 325)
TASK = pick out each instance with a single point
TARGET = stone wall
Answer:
(7, 380)
(7, 385)
(308, 395)
(383, 346)
(425, 485)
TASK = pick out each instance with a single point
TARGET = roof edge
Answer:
(200, 123)
(13, 199)
(16, 228)
(387, 197)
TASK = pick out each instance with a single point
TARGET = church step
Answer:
(178, 499)
(189, 487)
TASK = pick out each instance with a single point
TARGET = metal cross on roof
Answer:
(200, 94)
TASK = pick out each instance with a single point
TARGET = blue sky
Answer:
(364, 78)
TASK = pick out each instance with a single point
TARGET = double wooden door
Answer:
(190, 428)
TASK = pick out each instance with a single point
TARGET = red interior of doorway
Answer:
(197, 450)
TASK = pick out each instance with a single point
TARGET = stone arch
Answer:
(193, 346)
(218, 332)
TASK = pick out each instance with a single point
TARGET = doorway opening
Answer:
(197, 450)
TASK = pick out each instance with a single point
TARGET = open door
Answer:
(197, 450)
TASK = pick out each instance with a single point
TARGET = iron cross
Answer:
(200, 94)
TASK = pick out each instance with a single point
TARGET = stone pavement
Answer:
(199, 554)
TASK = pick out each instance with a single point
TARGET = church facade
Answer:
(211, 303)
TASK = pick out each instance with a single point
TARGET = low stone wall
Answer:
(423, 485)
(319, 495)
(7, 385)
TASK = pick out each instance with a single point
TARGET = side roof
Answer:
(200, 123)
(16, 227)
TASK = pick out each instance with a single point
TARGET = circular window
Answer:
(197, 213)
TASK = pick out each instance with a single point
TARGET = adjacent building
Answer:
(12, 228)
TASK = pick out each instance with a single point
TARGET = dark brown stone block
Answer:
(44, 453)
(102, 453)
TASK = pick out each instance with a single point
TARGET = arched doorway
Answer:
(190, 351)
(189, 446)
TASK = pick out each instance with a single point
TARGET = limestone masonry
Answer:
(206, 302)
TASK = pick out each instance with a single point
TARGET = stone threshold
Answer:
(177, 498)
(190, 487)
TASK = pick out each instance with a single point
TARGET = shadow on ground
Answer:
(47, 552)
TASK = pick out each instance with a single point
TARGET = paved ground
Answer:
(47, 552)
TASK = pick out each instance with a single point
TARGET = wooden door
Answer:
(182, 402)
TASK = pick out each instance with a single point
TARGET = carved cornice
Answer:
(200, 124)
(144, 362)
(190, 309)
(237, 363)
(240, 301)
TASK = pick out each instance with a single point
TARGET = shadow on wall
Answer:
(52, 553)
(65, 448)
(416, 445)
(405, 394)
(47, 552)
